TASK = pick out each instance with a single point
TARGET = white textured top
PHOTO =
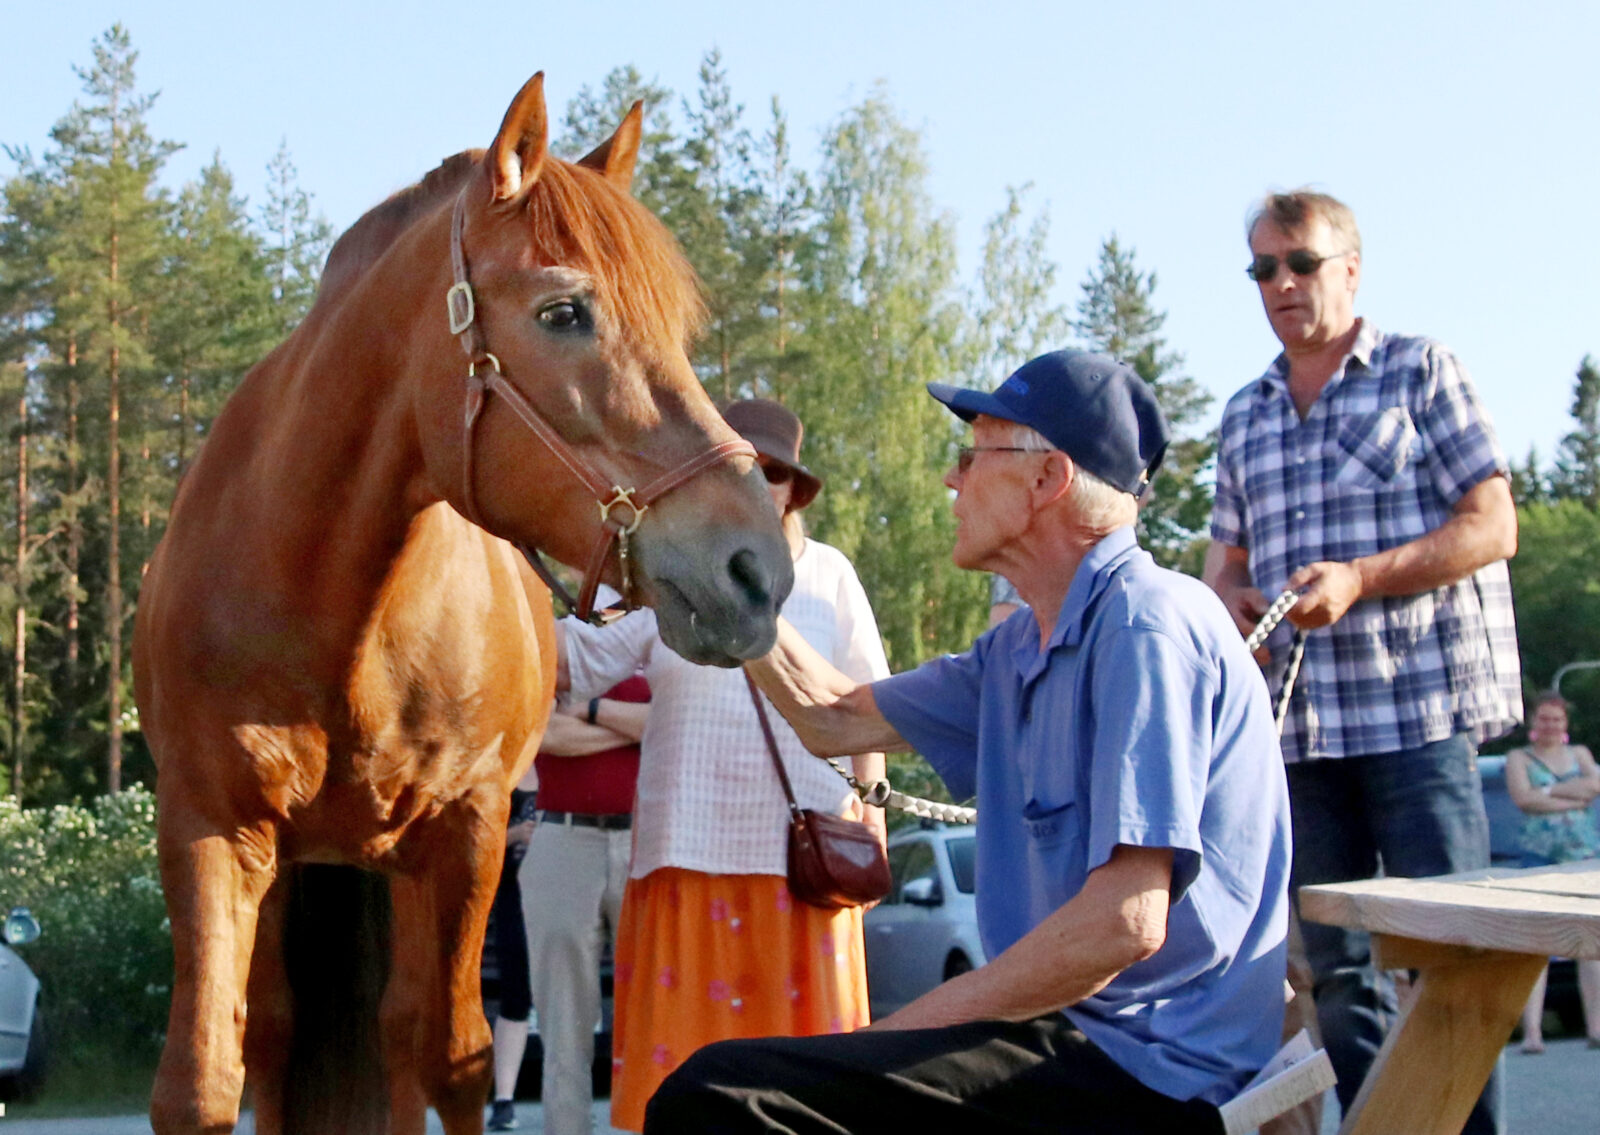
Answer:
(708, 798)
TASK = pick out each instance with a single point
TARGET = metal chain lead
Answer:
(881, 795)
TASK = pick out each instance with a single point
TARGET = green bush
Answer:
(89, 875)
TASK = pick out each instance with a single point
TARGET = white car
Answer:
(926, 930)
(21, 1039)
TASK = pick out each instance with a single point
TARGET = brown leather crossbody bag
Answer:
(834, 862)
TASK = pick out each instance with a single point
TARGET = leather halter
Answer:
(484, 376)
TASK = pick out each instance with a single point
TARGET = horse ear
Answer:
(615, 157)
(517, 155)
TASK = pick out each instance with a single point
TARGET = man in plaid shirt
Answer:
(1361, 471)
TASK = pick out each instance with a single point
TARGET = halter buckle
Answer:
(459, 305)
(623, 497)
(486, 357)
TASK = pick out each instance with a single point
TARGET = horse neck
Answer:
(320, 445)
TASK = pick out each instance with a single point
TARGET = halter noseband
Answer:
(484, 375)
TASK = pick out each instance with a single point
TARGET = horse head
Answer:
(582, 413)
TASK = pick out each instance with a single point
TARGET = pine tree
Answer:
(1117, 316)
(785, 208)
(105, 165)
(715, 212)
(1577, 471)
(40, 295)
(297, 242)
(224, 308)
(24, 309)
(125, 318)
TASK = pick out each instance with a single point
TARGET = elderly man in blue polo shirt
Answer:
(1133, 834)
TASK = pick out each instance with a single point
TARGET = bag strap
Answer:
(772, 743)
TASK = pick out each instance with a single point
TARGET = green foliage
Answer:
(834, 290)
(1528, 484)
(128, 313)
(1557, 592)
(879, 316)
(225, 304)
(1016, 317)
(712, 205)
(89, 875)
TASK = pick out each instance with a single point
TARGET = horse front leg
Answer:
(405, 1011)
(214, 882)
(452, 1052)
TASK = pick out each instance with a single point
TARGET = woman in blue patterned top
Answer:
(1555, 784)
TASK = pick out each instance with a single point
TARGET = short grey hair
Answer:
(1295, 210)
(1099, 503)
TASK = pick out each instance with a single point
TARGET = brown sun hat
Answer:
(775, 432)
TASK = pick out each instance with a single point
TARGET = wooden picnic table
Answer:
(1478, 941)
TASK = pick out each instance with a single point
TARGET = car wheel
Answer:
(957, 964)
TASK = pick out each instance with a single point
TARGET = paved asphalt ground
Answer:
(530, 1117)
(1557, 1093)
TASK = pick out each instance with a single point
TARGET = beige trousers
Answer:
(572, 879)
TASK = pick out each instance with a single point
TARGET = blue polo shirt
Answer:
(1143, 721)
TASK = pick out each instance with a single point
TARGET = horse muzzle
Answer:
(717, 600)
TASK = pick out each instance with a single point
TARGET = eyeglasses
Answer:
(777, 474)
(966, 454)
(1302, 262)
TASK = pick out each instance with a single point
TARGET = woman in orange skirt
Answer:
(711, 945)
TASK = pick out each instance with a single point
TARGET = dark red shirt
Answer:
(600, 784)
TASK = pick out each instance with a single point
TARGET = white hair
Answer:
(1098, 503)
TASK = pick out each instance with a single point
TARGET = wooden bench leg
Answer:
(1436, 1059)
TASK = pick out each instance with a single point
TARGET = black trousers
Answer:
(987, 1076)
(510, 937)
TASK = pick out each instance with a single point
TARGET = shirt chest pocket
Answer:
(1374, 449)
(1050, 813)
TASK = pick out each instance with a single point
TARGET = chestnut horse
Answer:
(335, 665)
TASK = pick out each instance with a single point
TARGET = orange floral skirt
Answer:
(702, 958)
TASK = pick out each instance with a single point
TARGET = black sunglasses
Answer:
(966, 454)
(1302, 262)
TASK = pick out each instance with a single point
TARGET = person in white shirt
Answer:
(711, 945)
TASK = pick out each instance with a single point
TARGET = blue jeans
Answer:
(1413, 813)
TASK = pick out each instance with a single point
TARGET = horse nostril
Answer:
(750, 579)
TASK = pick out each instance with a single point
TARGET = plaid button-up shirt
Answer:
(1395, 439)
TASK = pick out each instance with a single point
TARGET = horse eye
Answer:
(562, 315)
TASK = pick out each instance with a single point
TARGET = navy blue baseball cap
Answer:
(1095, 409)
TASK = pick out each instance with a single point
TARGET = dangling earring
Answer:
(1565, 738)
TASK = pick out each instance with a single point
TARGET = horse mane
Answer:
(577, 218)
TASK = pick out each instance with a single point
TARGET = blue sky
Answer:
(1465, 135)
